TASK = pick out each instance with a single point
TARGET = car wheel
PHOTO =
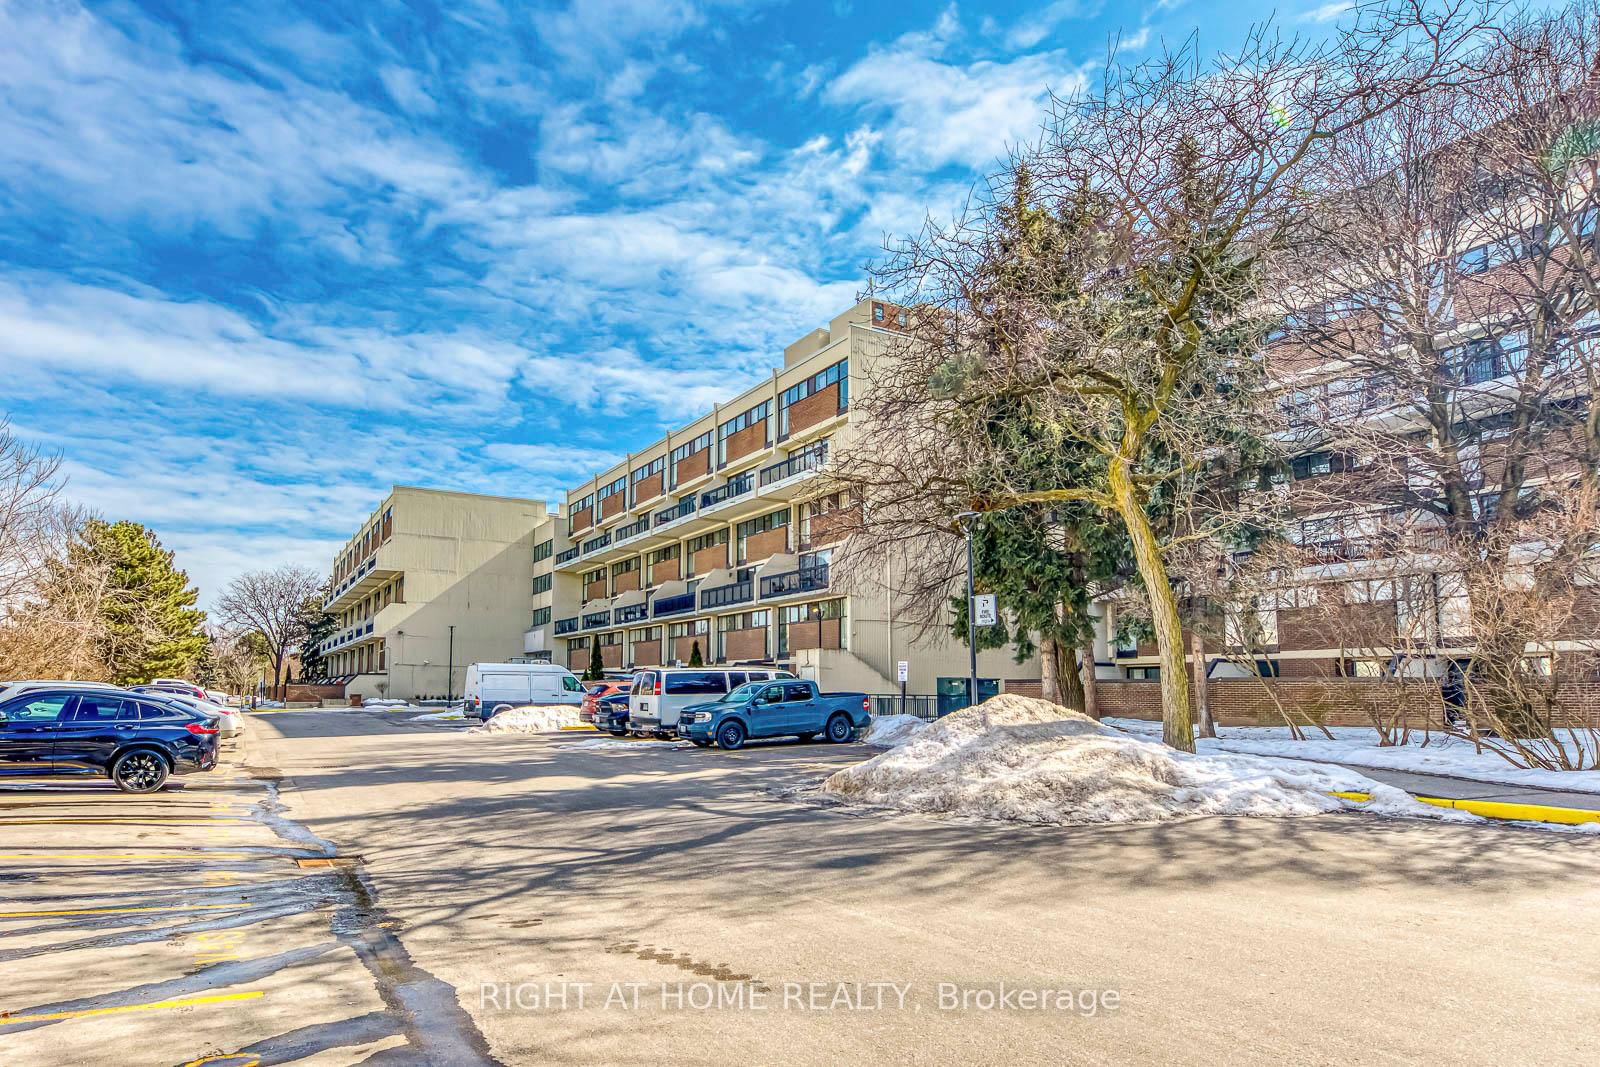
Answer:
(806, 738)
(139, 771)
(839, 729)
(731, 735)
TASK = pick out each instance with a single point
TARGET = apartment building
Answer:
(432, 581)
(719, 536)
(1373, 591)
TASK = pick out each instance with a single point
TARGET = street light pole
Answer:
(450, 670)
(971, 518)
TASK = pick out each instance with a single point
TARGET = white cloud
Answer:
(943, 112)
(1327, 12)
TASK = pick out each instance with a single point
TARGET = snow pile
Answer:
(380, 703)
(1026, 760)
(532, 719)
(448, 715)
(888, 731)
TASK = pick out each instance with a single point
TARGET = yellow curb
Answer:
(586, 729)
(1494, 809)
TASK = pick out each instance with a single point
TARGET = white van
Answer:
(494, 687)
(659, 694)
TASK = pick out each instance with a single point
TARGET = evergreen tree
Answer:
(151, 627)
(695, 659)
(597, 664)
(318, 625)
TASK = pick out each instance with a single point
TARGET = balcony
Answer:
(366, 577)
(800, 463)
(677, 511)
(632, 529)
(737, 487)
(632, 613)
(596, 618)
(722, 595)
(596, 544)
(804, 580)
(567, 626)
(567, 555)
(672, 605)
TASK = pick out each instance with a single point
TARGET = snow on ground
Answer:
(448, 715)
(616, 744)
(888, 731)
(1358, 746)
(384, 704)
(531, 719)
(1025, 760)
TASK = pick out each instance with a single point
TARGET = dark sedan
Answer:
(136, 741)
(611, 713)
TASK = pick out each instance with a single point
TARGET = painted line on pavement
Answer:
(1495, 809)
(202, 857)
(221, 998)
(117, 911)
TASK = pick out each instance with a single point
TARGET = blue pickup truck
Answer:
(787, 708)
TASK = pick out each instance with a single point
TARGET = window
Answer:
(813, 509)
(739, 423)
(1317, 464)
(838, 373)
(654, 467)
(156, 712)
(97, 709)
(584, 504)
(625, 567)
(662, 555)
(570, 684)
(612, 488)
(796, 692)
(877, 312)
(541, 616)
(1486, 257)
(683, 452)
(900, 318)
(745, 620)
(44, 707)
(776, 520)
(543, 550)
(685, 682)
(691, 628)
(1144, 674)
(594, 576)
(542, 583)
(710, 540)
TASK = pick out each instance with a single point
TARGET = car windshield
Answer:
(743, 693)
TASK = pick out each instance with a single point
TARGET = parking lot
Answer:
(353, 887)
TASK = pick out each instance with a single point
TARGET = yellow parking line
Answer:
(124, 820)
(115, 911)
(200, 856)
(221, 998)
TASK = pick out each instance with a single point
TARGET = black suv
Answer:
(134, 739)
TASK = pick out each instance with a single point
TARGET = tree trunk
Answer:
(1177, 729)
(1091, 702)
(1070, 684)
(1202, 699)
(1049, 663)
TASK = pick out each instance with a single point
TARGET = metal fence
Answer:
(923, 707)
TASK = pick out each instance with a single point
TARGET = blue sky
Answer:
(258, 262)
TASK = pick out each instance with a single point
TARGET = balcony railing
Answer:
(723, 595)
(596, 618)
(672, 605)
(677, 511)
(804, 580)
(809, 460)
(633, 529)
(632, 613)
(567, 626)
(738, 487)
(567, 554)
(597, 543)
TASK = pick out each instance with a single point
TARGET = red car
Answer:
(593, 691)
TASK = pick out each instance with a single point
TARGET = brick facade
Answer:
(649, 488)
(692, 466)
(647, 653)
(823, 404)
(594, 591)
(664, 571)
(745, 644)
(683, 647)
(766, 544)
(710, 558)
(748, 440)
(626, 582)
(613, 505)
(823, 633)
(581, 520)
(833, 526)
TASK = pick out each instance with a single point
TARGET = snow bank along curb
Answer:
(1496, 809)
(531, 719)
(1025, 760)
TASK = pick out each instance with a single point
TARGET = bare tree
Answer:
(236, 659)
(1175, 184)
(270, 603)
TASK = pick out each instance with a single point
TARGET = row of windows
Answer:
(541, 616)
(744, 620)
(662, 555)
(612, 488)
(751, 527)
(838, 374)
(683, 452)
(543, 550)
(542, 583)
(709, 540)
(655, 466)
(584, 504)
(627, 565)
